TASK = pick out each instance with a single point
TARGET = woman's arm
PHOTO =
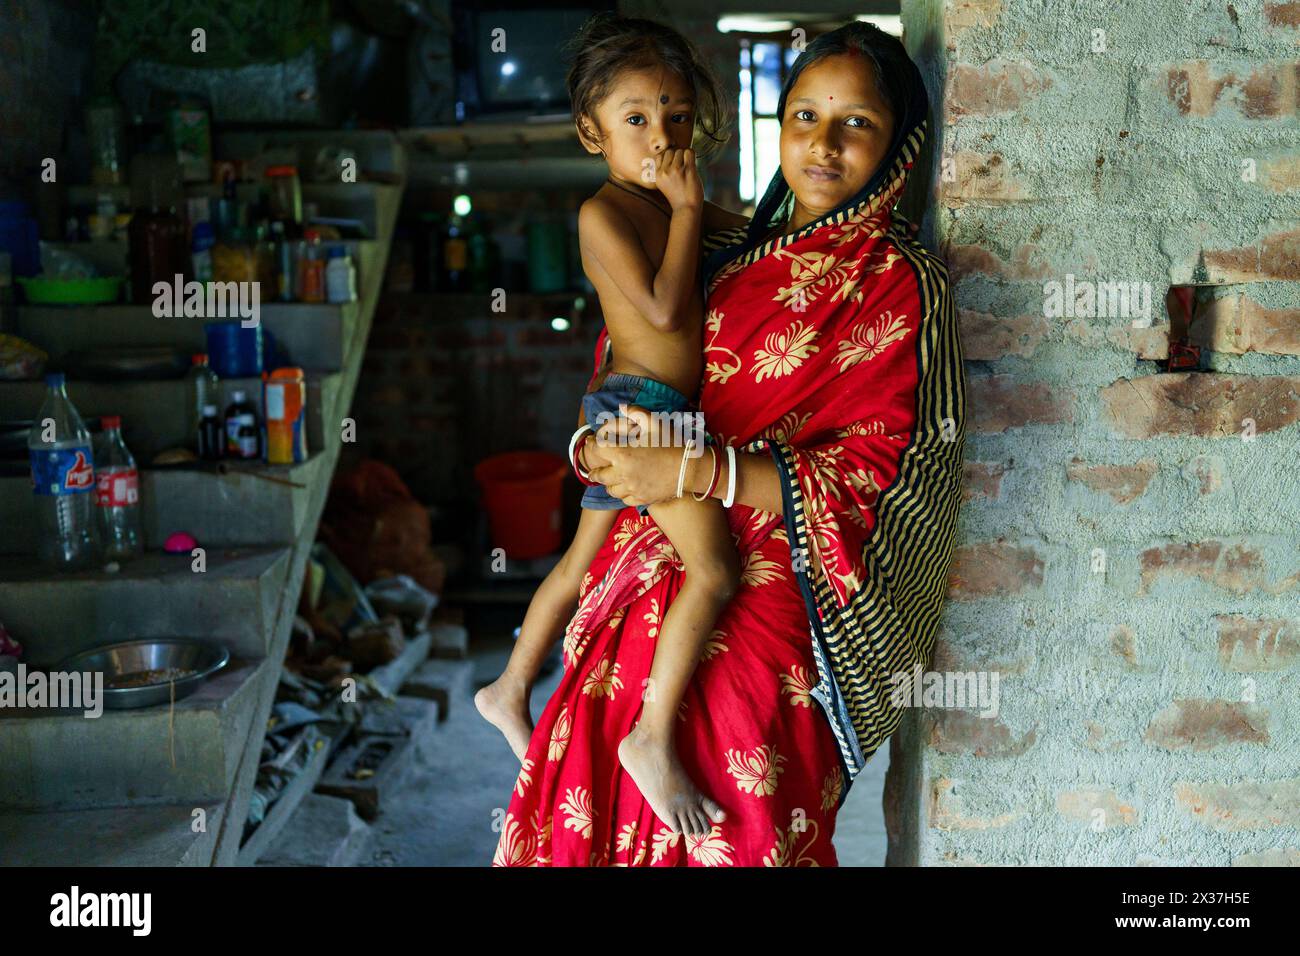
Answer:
(757, 482)
(643, 475)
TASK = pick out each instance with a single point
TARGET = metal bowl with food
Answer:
(144, 672)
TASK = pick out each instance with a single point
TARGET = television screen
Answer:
(517, 57)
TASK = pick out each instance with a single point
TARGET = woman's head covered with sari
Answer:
(898, 84)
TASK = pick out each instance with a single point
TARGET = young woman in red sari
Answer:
(833, 377)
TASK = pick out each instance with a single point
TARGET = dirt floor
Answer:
(443, 814)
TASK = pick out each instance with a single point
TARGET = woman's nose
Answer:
(823, 145)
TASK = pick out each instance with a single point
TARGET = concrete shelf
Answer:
(111, 836)
(232, 602)
(243, 504)
(155, 412)
(313, 335)
(62, 760)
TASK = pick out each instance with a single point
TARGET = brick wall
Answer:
(446, 382)
(1129, 552)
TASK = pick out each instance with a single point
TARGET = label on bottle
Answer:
(233, 424)
(247, 443)
(62, 471)
(274, 402)
(118, 488)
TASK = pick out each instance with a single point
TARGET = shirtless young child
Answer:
(637, 90)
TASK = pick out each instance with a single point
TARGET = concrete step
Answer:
(449, 682)
(157, 595)
(111, 836)
(323, 831)
(155, 412)
(313, 335)
(226, 504)
(187, 752)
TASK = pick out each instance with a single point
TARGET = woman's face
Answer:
(644, 113)
(835, 131)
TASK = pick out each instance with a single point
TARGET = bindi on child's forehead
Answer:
(663, 98)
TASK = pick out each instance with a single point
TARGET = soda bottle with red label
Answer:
(117, 494)
(63, 482)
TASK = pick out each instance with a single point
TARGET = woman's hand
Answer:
(638, 474)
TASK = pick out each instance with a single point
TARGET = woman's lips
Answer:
(821, 174)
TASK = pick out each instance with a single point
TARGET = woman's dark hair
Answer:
(609, 44)
(897, 79)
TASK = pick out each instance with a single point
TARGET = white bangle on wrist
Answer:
(577, 465)
(730, 497)
(681, 472)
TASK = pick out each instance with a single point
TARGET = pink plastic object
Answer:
(180, 542)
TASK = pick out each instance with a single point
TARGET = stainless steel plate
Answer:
(203, 658)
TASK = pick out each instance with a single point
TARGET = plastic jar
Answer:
(284, 192)
(234, 257)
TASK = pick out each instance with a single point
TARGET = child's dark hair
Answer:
(607, 44)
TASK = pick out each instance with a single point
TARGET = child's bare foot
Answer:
(504, 704)
(655, 769)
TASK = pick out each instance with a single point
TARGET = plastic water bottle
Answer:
(117, 494)
(63, 482)
(203, 389)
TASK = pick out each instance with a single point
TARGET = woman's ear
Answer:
(588, 134)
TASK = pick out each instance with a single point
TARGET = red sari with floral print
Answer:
(833, 351)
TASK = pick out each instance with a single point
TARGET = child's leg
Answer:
(504, 702)
(702, 538)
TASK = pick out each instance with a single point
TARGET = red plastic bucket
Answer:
(523, 492)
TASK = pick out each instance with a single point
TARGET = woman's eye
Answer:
(858, 122)
(805, 115)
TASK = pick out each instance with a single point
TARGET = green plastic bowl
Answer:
(42, 291)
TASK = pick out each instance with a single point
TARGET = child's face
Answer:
(645, 112)
(836, 130)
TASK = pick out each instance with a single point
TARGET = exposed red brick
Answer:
(1281, 174)
(948, 658)
(1283, 14)
(986, 337)
(966, 732)
(1238, 324)
(983, 479)
(982, 178)
(1251, 644)
(1207, 473)
(960, 15)
(1027, 262)
(1274, 257)
(993, 569)
(947, 810)
(1234, 567)
(1204, 724)
(1122, 482)
(1145, 342)
(1254, 805)
(1196, 89)
(999, 86)
(1081, 805)
(1000, 403)
(1200, 404)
